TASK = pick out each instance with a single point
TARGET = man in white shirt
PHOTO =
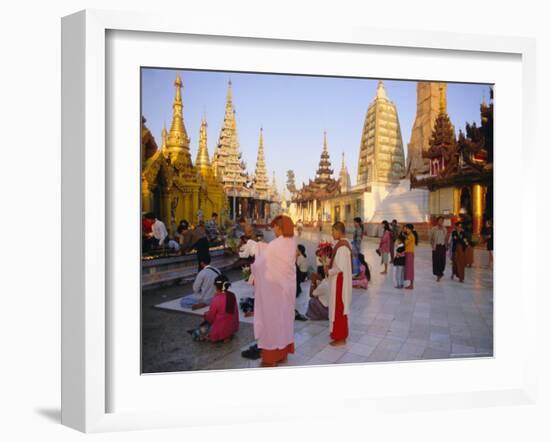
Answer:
(203, 287)
(158, 231)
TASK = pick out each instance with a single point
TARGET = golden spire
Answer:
(442, 99)
(325, 140)
(261, 179)
(203, 161)
(177, 137)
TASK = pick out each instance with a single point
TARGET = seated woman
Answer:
(317, 309)
(361, 281)
(221, 321)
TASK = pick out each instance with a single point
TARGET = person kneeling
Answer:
(221, 321)
(317, 309)
(361, 281)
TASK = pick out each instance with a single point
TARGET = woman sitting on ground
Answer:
(317, 309)
(361, 281)
(221, 321)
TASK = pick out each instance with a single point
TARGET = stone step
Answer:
(157, 277)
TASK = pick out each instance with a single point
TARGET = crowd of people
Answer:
(279, 267)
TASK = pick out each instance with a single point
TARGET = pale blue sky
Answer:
(293, 111)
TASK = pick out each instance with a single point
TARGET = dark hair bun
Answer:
(222, 282)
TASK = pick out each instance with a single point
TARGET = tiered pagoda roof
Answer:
(323, 185)
(227, 163)
(324, 172)
(261, 180)
(464, 161)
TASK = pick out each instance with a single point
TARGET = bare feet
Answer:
(383, 273)
(438, 278)
(338, 343)
(248, 314)
(409, 287)
(268, 364)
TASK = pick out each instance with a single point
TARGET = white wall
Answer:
(30, 178)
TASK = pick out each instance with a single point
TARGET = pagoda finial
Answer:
(380, 90)
(261, 137)
(229, 91)
(325, 140)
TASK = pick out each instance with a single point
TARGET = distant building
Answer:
(380, 178)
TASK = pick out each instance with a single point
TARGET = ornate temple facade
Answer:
(460, 171)
(171, 186)
(307, 198)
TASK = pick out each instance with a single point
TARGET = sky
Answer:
(293, 112)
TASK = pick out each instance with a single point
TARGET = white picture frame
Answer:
(86, 352)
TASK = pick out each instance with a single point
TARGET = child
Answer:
(221, 321)
(399, 262)
(361, 281)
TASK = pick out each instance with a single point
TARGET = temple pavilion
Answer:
(171, 185)
(307, 198)
(460, 171)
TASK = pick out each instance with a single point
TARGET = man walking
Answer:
(438, 240)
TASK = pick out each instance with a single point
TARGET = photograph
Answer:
(303, 220)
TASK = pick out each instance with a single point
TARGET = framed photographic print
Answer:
(287, 219)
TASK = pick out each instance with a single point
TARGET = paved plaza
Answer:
(436, 320)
